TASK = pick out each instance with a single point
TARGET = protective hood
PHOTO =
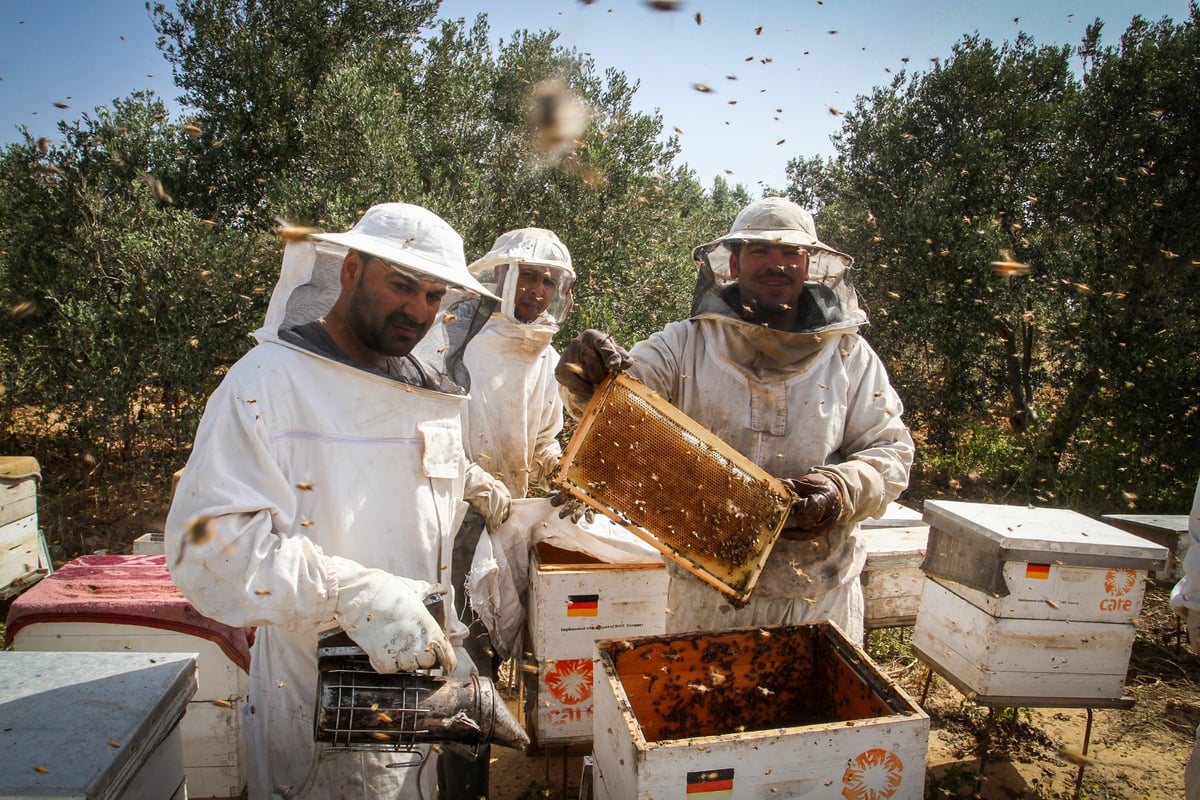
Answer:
(501, 268)
(412, 240)
(829, 303)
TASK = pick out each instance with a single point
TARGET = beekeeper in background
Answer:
(771, 361)
(1185, 599)
(326, 484)
(514, 416)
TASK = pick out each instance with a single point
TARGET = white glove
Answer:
(543, 471)
(386, 616)
(488, 495)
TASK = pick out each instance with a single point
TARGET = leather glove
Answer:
(587, 360)
(488, 495)
(818, 506)
(570, 506)
(387, 617)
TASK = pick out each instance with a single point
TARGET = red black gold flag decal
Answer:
(710, 784)
(583, 605)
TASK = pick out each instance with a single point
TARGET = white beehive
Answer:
(1169, 530)
(24, 557)
(574, 600)
(51, 617)
(892, 576)
(103, 726)
(776, 711)
(1031, 606)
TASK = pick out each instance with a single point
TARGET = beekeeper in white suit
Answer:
(325, 486)
(514, 414)
(1185, 599)
(771, 362)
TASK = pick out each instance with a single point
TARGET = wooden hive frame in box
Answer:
(651, 468)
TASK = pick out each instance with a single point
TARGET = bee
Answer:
(304, 486)
(702, 87)
(292, 233)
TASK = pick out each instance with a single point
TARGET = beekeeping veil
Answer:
(501, 267)
(414, 241)
(828, 303)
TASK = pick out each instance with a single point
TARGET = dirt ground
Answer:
(1037, 753)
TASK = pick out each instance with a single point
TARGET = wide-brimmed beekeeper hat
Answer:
(499, 267)
(415, 240)
(776, 220)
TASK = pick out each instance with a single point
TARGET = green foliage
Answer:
(1003, 154)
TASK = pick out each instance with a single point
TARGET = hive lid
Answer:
(970, 542)
(666, 478)
(88, 719)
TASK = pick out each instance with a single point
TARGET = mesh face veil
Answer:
(530, 269)
(409, 239)
(778, 221)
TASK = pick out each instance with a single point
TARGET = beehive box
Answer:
(24, 557)
(574, 600)
(55, 616)
(775, 711)
(892, 575)
(94, 725)
(1168, 530)
(1030, 606)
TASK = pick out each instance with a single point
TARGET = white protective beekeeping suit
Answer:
(813, 399)
(1185, 599)
(310, 479)
(515, 413)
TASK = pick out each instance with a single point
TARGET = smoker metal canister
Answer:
(360, 709)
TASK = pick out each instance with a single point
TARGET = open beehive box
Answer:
(782, 710)
(658, 472)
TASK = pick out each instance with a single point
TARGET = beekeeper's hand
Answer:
(587, 360)
(818, 506)
(569, 506)
(387, 617)
(488, 495)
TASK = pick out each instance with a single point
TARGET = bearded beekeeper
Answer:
(326, 484)
(772, 362)
(1185, 599)
(514, 416)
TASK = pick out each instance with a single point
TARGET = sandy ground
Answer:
(1133, 754)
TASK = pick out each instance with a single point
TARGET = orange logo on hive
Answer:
(873, 775)
(1118, 582)
(570, 682)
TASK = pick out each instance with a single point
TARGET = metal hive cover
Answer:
(670, 481)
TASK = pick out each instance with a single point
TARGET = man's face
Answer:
(389, 311)
(535, 289)
(770, 278)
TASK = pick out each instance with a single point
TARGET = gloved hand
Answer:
(387, 617)
(488, 495)
(587, 360)
(817, 508)
(543, 470)
(570, 506)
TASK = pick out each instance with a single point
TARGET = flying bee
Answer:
(1008, 267)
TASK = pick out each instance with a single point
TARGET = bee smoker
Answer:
(361, 709)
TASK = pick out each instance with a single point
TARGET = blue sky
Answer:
(778, 69)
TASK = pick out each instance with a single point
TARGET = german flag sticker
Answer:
(710, 783)
(1039, 572)
(583, 605)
